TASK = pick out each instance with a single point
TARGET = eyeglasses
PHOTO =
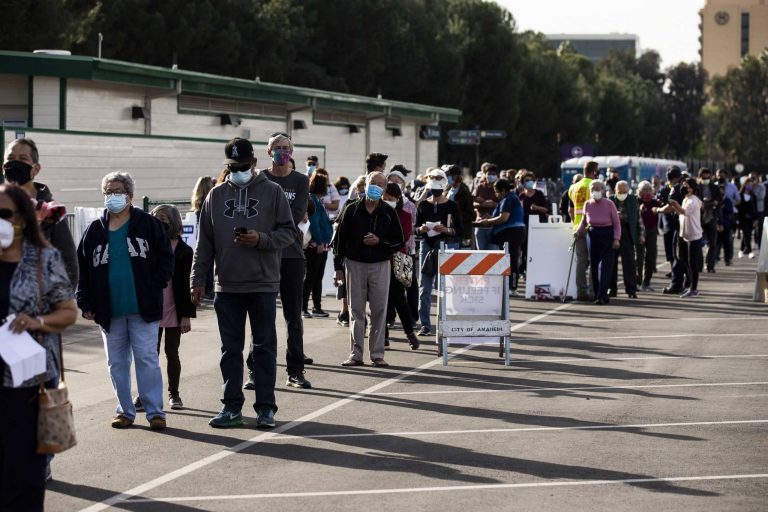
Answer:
(438, 178)
(280, 133)
(113, 192)
(6, 213)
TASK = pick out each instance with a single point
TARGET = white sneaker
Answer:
(741, 254)
(751, 255)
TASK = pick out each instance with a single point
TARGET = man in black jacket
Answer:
(367, 236)
(709, 193)
(21, 166)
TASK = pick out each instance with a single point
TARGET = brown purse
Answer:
(55, 420)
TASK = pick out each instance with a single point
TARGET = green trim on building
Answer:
(91, 68)
(30, 101)
(62, 103)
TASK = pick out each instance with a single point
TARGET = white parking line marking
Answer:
(689, 335)
(516, 388)
(481, 487)
(194, 466)
(599, 359)
(513, 430)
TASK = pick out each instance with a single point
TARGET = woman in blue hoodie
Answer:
(125, 261)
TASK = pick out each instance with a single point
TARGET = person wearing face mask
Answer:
(24, 253)
(437, 220)
(342, 187)
(747, 215)
(671, 229)
(579, 194)
(126, 261)
(367, 236)
(632, 237)
(758, 190)
(459, 193)
(316, 253)
(393, 197)
(647, 249)
(397, 175)
(20, 167)
(356, 193)
(601, 219)
(311, 165)
(709, 193)
(292, 263)
(484, 201)
(534, 204)
(332, 199)
(245, 224)
(177, 303)
(691, 234)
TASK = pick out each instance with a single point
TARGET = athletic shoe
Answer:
(343, 319)
(670, 290)
(174, 402)
(265, 418)
(391, 324)
(514, 293)
(751, 255)
(298, 381)
(226, 419)
(380, 363)
(424, 331)
(689, 294)
(413, 341)
(250, 385)
(121, 421)
(319, 313)
(741, 254)
(157, 423)
(306, 314)
(647, 288)
(352, 362)
(138, 405)
(386, 344)
(308, 360)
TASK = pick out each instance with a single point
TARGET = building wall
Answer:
(721, 42)
(13, 98)
(45, 105)
(100, 106)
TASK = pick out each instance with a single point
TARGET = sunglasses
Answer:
(6, 213)
(280, 133)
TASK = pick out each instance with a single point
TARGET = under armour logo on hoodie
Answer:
(249, 211)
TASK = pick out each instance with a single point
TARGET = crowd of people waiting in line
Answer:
(264, 233)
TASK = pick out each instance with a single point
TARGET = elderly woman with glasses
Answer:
(125, 262)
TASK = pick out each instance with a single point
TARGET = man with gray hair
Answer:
(632, 237)
(245, 223)
(368, 234)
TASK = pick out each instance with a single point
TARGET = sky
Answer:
(671, 27)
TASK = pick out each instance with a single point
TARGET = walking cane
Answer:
(571, 249)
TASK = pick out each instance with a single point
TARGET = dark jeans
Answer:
(691, 255)
(746, 236)
(759, 228)
(678, 266)
(291, 276)
(398, 302)
(231, 310)
(710, 233)
(313, 280)
(22, 471)
(602, 257)
(411, 294)
(725, 241)
(172, 342)
(670, 245)
(516, 239)
(627, 253)
(646, 257)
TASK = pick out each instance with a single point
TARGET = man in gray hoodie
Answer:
(245, 223)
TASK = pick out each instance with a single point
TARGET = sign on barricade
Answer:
(549, 258)
(761, 277)
(473, 298)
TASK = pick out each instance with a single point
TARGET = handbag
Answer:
(429, 265)
(402, 267)
(55, 419)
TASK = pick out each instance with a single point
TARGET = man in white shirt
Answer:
(691, 232)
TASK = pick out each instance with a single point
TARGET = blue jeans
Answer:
(426, 283)
(131, 337)
(231, 310)
(483, 240)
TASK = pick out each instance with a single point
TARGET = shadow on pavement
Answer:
(97, 495)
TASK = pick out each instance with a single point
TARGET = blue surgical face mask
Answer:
(343, 191)
(115, 203)
(241, 177)
(311, 169)
(373, 192)
(450, 181)
(529, 184)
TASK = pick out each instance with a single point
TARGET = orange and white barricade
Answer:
(473, 299)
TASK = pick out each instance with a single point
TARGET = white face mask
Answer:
(6, 233)
(597, 195)
(621, 197)
(393, 204)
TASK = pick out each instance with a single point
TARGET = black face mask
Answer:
(17, 172)
(168, 231)
(436, 192)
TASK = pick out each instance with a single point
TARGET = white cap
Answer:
(437, 173)
(398, 174)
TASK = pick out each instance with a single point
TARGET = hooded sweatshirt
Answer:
(258, 205)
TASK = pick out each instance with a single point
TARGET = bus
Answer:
(632, 169)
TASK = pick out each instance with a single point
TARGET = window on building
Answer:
(744, 33)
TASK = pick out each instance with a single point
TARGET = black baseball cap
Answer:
(674, 172)
(238, 151)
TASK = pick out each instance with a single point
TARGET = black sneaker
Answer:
(306, 314)
(343, 319)
(265, 418)
(138, 405)
(424, 331)
(671, 290)
(319, 313)
(308, 360)
(250, 385)
(298, 381)
(386, 344)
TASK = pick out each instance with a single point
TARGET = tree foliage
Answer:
(465, 54)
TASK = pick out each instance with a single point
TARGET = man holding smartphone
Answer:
(245, 223)
(368, 234)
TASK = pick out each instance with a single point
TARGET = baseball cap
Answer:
(437, 173)
(238, 151)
